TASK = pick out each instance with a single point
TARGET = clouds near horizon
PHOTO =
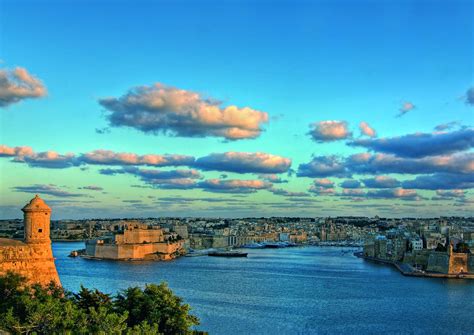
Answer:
(421, 144)
(244, 162)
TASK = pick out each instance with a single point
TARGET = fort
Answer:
(32, 257)
(135, 241)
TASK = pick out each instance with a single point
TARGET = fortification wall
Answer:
(108, 251)
(35, 262)
(133, 251)
(470, 263)
(438, 262)
(458, 263)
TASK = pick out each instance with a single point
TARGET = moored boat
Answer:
(227, 254)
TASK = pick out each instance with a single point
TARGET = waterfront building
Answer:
(136, 241)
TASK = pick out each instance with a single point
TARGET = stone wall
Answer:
(458, 263)
(133, 251)
(140, 236)
(438, 262)
(470, 263)
(454, 263)
(35, 262)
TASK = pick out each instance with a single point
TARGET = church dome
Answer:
(36, 204)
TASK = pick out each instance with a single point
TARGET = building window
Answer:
(40, 230)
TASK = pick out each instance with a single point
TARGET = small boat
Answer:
(227, 254)
(253, 246)
(276, 245)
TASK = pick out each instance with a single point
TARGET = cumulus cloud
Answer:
(366, 163)
(323, 166)
(49, 189)
(421, 144)
(234, 185)
(17, 85)
(46, 159)
(441, 181)
(324, 183)
(49, 159)
(173, 179)
(151, 175)
(164, 109)
(367, 130)
(6, 151)
(399, 193)
(108, 157)
(325, 131)
(451, 193)
(380, 163)
(178, 183)
(319, 190)
(352, 192)
(267, 165)
(350, 183)
(112, 172)
(244, 162)
(381, 182)
(406, 107)
(272, 178)
(470, 96)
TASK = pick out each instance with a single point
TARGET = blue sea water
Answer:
(308, 290)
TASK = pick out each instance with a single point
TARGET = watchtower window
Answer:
(40, 230)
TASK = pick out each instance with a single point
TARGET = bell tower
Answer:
(37, 216)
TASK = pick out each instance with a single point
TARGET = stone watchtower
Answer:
(37, 217)
(32, 258)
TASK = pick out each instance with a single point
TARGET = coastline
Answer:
(408, 271)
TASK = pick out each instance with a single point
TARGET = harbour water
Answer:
(311, 290)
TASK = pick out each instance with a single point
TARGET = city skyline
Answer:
(237, 109)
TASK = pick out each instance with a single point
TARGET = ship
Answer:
(227, 254)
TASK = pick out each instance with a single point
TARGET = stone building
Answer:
(450, 262)
(32, 257)
(135, 241)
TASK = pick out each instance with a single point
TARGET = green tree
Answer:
(156, 304)
(26, 309)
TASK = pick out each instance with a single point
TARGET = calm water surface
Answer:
(289, 291)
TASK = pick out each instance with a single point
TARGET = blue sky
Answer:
(302, 63)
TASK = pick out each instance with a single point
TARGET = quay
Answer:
(410, 271)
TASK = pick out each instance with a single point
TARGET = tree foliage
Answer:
(35, 309)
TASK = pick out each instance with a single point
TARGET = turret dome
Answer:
(36, 204)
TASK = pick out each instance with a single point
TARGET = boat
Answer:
(253, 246)
(275, 245)
(76, 253)
(227, 254)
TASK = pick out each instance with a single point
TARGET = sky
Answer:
(237, 108)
